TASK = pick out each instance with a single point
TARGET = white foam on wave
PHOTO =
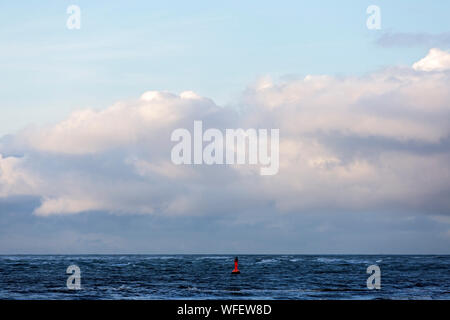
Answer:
(340, 260)
(163, 257)
(328, 260)
(267, 261)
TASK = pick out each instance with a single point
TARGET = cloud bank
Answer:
(368, 143)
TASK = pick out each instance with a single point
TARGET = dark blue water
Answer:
(209, 277)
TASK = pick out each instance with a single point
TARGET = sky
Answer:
(87, 115)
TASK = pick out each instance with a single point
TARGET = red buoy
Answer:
(236, 270)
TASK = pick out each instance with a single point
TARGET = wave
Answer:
(263, 261)
(163, 257)
(328, 260)
(214, 257)
(340, 260)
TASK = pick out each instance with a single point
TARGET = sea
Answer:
(298, 277)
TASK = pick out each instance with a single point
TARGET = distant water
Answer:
(209, 277)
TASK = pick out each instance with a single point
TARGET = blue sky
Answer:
(216, 49)
(362, 203)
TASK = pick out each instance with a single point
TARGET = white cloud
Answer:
(123, 124)
(375, 142)
(436, 60)
(67, 205)
(14, 179)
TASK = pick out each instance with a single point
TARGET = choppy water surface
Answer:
(209, 277)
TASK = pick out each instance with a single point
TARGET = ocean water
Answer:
(209, 277)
